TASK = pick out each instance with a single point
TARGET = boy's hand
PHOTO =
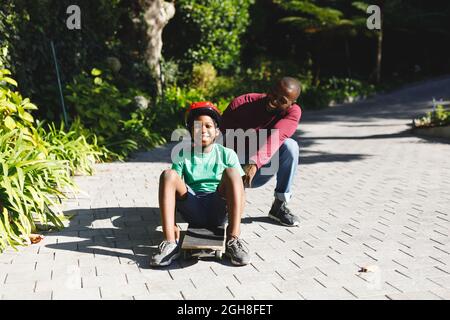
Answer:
(250, 171)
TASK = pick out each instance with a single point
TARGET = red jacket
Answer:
(249, 112)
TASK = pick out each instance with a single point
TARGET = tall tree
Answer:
(157, 15)
(378, 33)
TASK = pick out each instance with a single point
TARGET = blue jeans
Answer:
(288, 162)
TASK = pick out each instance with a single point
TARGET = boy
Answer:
(212, 188)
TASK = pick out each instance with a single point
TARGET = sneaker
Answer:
(237, 251)
(279, 212)
(168, 251)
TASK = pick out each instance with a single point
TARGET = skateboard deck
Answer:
(202, 242)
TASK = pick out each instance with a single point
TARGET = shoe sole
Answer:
(296, 223)
(166, 263)
(236, 263)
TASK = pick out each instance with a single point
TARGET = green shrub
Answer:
(217, 27)
(79, 130)
(99, 103)
(171, 110)
(437, 117)
(71, 147)
(332, 91)
(101, 106)
(122, 120)
(13, 109)
(141, 127)
(346, 89)
(314, 97)
(26, 29)
(35, 166)
(30, 189)
(203, 76)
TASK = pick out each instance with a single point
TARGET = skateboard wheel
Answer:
(219, 254)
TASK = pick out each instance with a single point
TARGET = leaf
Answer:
(10, 123)
(21, 178)
(30, 106)
(360, 5)
(96, 72)
(98, 80)
(5, 71)
(27, 117)
(10, 81)
(11, 106)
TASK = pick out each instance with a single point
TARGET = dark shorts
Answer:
(203, 210)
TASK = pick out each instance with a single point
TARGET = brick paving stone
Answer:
(76, 294)
(25, 287)
(27, 277)
(420, 295)
(120, 292)
(27, 296)
(93, 281)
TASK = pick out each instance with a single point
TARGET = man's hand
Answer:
(250, 171)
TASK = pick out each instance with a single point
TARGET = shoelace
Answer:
(238, 243)
(162, 245)
(286, 210)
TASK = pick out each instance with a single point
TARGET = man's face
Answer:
(204, 131)
(281, 98)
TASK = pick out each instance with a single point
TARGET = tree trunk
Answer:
(379, 55)
(379, 46)
(347, 56)
(157, 15)
(316, 62)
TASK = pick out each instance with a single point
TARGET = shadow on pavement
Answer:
(307, 158)
(265, 219)
(133, 235)
(402, 134)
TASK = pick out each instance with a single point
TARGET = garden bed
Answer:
(435, 123)
(436, 132)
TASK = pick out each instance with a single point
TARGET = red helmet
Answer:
(202, 108)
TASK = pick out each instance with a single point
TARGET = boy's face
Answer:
(204, 131)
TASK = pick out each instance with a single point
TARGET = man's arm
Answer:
(286, 128)
(228, 120)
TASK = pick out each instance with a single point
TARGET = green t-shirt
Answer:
(203, 171)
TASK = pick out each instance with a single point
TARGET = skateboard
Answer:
(201, 242)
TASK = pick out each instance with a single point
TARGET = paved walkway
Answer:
(368, 194)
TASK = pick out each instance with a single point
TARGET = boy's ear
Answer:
(217, 132)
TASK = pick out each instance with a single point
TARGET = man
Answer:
(275, 110)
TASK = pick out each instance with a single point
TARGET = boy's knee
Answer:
(232, 173)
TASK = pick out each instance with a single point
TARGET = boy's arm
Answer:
(233, 162)
(178, 162)
(178, 167)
